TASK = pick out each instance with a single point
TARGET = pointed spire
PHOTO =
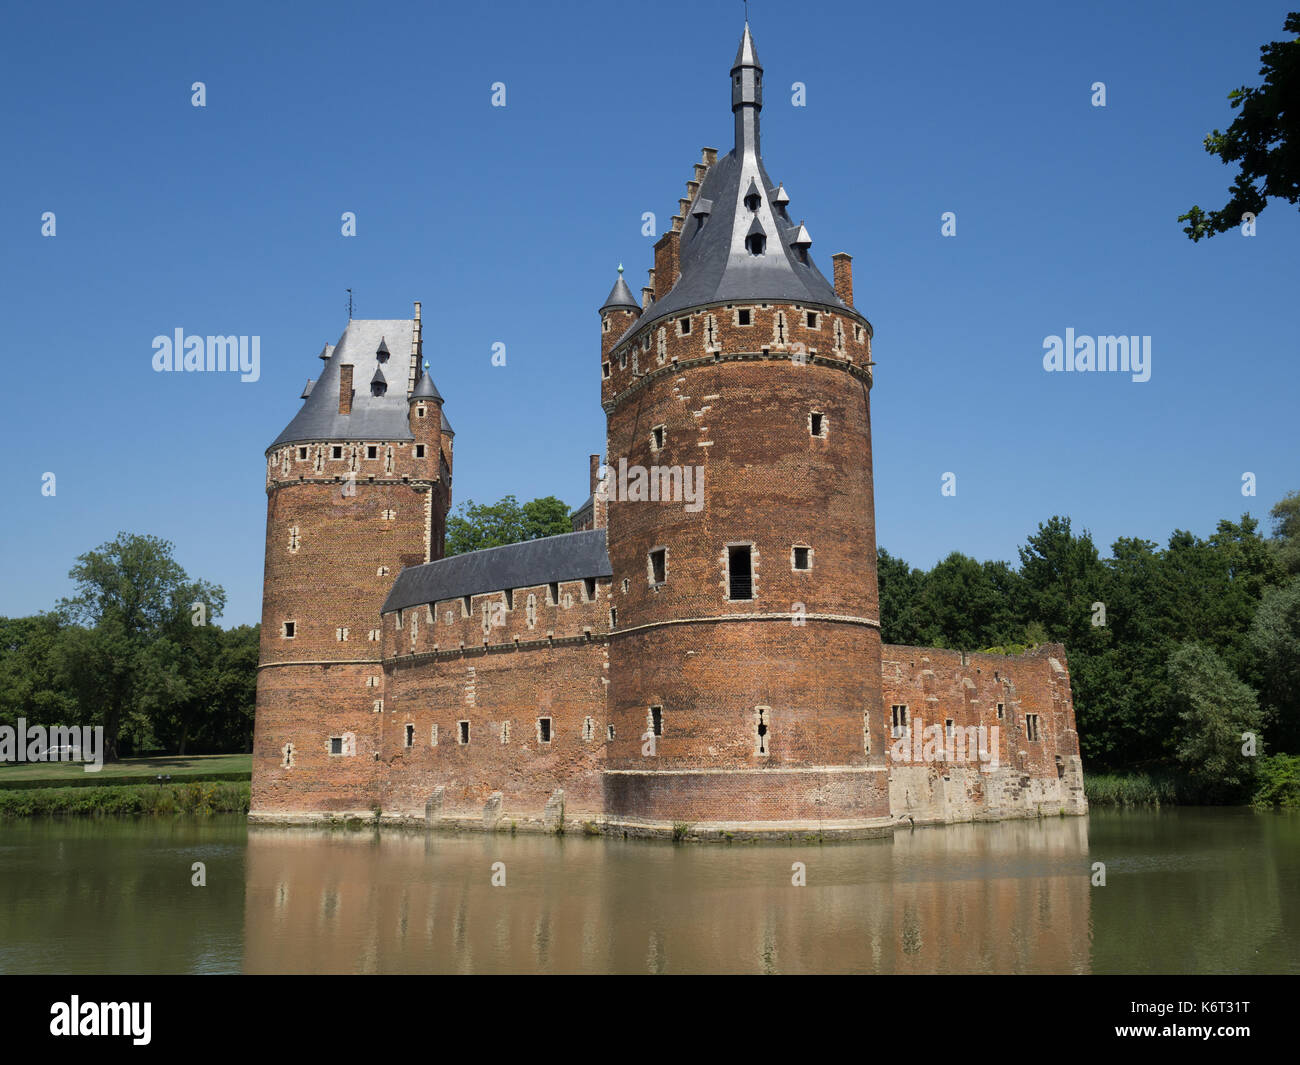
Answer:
(326, 352)
(746, 94)
(425, 388)
(379, 378)
(801, 239)
(781, 198)
(620, 296)
(747, 54)
(381, 352)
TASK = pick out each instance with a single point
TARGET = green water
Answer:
(1187, 891)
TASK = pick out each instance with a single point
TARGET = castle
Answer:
(702, 655)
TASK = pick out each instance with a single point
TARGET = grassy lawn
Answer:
(189, 767)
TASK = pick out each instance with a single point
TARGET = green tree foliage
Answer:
(1217, 712)
(1286, 533)
(476, 526)
(1122, 619)
(1275, 641)
(132, 599)
(1264, 140)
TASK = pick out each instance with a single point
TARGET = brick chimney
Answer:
(667, 263)
(843, 276)
(345, 388)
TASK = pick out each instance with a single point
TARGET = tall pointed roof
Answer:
(620, 296)
(716, 266)
(425, 388)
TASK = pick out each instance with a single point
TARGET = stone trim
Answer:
(860, 370)
(847, 619)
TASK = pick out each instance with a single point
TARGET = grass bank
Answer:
(127, 800)
(229, 767)
(1277, 784)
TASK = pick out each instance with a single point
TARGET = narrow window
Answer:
(554, 589)
(755, 243)
(433, 736)
(382, 571)
(293, 538)
(505, 732)
(419, 411)
(589, 585)
(684, 326)
(657, 720)
(336, 745)
(465, 606)
(341, 635)
(1001, 711)
(658, 565)
(288, 755)
(605, 368)
(531, 610)
(657, 438)
(336, 452)
(290, 629)
(605, 325)
(947, 728)
(544, 730)
(761, 728)
(897, 721)
(802, 557)
(464, 731)
(372, 452)
(816, 423)
(613, 617)
(410, 735)
(812, 319)
(419, 451)
(1031, 726)
(302, 454)
(509, 593)
(752, 201)
(742, 316)
(588, 729)
(609, 732)
(866, 732)
(740, 573)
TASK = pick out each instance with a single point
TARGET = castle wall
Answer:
(1030, 765)
(501, 669)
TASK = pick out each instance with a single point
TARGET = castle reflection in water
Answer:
(1008, 897)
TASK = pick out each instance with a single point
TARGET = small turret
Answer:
(619, 311)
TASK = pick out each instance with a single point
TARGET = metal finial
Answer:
(426, 367)
(620, 268)
(349, 305)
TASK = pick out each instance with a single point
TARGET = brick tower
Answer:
(745, 659)
(358, 486)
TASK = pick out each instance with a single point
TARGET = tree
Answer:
(131, 595)
(1275, 640)
(1217, 710)
(900, 587)
(29, 682)
(1286, 532)
(1264, 139)
(476, 526)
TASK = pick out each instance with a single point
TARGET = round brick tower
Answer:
(745, 638)
(358, 486)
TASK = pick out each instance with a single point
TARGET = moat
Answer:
(1187, 890)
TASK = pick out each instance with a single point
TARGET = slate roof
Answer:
(554, 558)
(716, 267)
(373, 417)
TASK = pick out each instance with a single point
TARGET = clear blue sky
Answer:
(508, 224)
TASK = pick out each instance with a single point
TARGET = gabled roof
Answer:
(525, 565)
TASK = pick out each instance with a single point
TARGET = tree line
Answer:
(135, 650)
(1174, 652)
